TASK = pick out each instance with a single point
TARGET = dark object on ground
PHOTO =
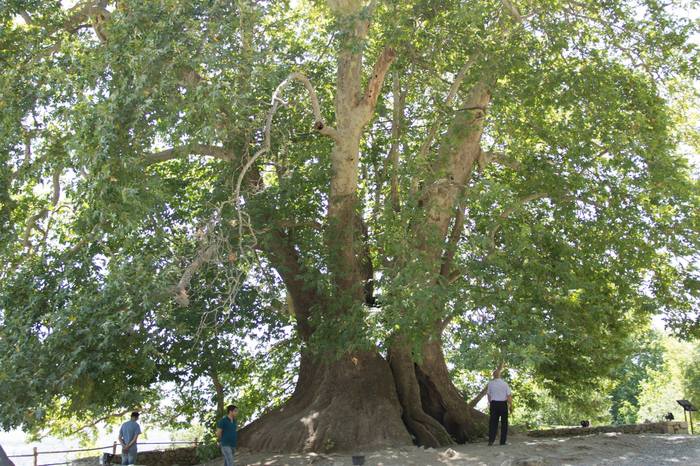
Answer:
(358, 460)
(107, 458)
(585, 423)
(669, 416)
(4, 460)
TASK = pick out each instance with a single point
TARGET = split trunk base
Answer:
(362, 402)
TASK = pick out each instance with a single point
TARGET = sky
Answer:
(15, 442)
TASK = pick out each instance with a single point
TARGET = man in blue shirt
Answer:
(227, 435)
(128, 434)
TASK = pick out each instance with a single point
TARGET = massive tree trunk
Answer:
(443, 401)
(435, 412)
(346, 405)
(360, 400)
(363, 402)
(426, 429)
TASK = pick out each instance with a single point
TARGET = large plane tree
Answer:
(384, 175)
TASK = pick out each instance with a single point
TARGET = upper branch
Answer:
(319, 124)
(512, 10)
(486, 157)
(275, 103)
(451, 96)
(451, 247)
(369, 101)
(197, 149)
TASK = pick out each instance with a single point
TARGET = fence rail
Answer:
(36, 451)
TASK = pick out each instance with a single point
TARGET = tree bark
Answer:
(443, 401)
(424, 428)
(346, 405)
(220, 397)
(362, 401)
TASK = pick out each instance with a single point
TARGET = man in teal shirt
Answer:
(227, 435)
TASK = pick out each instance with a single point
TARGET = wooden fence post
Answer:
(36, 456)
(114, 449)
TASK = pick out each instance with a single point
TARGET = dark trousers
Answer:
(498, 410)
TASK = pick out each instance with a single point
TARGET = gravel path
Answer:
(601, 449)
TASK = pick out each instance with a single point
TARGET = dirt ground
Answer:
(601, 449)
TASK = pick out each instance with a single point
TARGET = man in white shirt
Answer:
(500, 403)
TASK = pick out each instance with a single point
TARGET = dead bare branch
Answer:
(203, 256)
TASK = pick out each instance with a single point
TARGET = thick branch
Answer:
(285, 259)
(207, 251)
(26, 17)
(276, 100)
(31, 224)
(203, 256)
(95, 13)
(455, 236)
(219, 388)
(97, 421)
(512, 10)
(81, 16)
(452, 166)
(374, 86)
(451, 95)
(85, 11)
(319, 124)
(92, 424)
(196, 149)
(56, 180)
(487, 157)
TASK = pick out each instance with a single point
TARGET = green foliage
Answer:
(537, 407)
(674, 380)
(208, 449)
(588, 226)
(647, 358)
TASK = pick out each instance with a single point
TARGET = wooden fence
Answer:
(113, 447)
